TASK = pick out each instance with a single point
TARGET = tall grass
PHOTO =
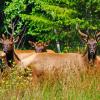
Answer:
(17, 86)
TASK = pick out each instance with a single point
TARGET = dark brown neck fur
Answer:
(10, 58)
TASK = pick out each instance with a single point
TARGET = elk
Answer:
(91, 50)
(44, 64)
(50, 62)
(11, 54)
(40, 47)
(8, 48)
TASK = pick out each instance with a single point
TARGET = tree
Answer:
(42, 17)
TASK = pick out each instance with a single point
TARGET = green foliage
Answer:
(43, 16)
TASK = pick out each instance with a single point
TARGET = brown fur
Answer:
(42, 63)
(40, 47)
(24, 53)
(50, 51)
(93, 70)
(54, 59)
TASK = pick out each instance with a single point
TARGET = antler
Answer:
(81, 33)
(1, 40)
(85, 36)
(98, 36)
(11, 37)
(16, 40)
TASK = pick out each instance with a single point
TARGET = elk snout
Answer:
(6, 48)
(92, 50)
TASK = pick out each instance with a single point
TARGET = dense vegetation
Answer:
(15, 86)
(53, 20)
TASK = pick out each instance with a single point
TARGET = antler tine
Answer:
(31, 43)
(82, 34)
(11, 37)
(16, 40)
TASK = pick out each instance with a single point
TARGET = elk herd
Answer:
(43, 60)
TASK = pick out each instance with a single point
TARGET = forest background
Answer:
(50, 20)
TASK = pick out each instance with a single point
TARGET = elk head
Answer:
(8, 43)
(91, 45)
(8, 48)
(39, 46)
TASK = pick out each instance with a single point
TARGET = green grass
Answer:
(16, 86)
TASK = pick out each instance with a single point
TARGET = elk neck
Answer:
(10, 57)
(90, 58)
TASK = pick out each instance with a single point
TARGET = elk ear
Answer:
(16, 40)
(84, 39)
(46, 44)
(35, 43)
(31, 43)
(3, 37)
(1, 40)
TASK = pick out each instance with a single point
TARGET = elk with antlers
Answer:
(46, 62)
(91, 42)
(11, 54)
(8, 48)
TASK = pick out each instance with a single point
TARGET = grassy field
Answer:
(18, 86)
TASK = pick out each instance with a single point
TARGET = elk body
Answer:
(44, 64)
(50, 62)
(23, 53)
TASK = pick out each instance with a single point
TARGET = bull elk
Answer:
(8, 48)
(91, 42)
(50, 62)
(11, 54)
(40, 47)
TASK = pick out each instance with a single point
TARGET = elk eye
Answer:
(94, 45)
